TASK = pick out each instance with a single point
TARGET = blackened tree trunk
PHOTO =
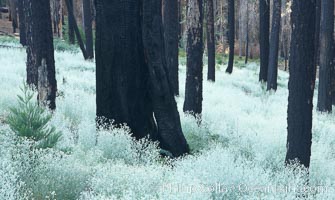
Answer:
(88, 28)
(75, 28)
(326, 56)
(171, 31)
(210, 40)
(70, 24)
(40, 52)
(274, 46)
(193, 90)
(301, 82)
(135, 91)
(264, 15)
(13, 5)
(231, 34)
(22, 22)
(317, 33)
(247, 36)
(57, 12)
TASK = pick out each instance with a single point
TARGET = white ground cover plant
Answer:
(238, 150)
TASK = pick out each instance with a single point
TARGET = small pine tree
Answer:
(30, 121)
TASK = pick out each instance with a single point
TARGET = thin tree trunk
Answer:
(22, 20)
(70, 23)
(301, 82)
(88, 28)
(274, 46)
(76, 29)
(247, 36)
(193, 89)
(231, 35)
(13, 12)
(326, 56)
(264, 15)
(40, 52)
(210, 41)
(170, 21)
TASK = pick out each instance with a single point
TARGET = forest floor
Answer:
(237, 152)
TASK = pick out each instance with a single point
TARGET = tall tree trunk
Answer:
(247, 36)
(70, 23)
(317, 33)
(40, 52)
(326, 56)
(13, 5)
(274, 46)
(22, 20)
(170, 21)
(75, 28)
(210, 41)
(301, 82)
(193, 90)
(264, 15)
(135, 91)
(57, 17)
(88, 28)
(231, 34)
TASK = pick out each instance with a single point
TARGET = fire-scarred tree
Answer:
(301, 82)
(193, 89)
(132, 81)
(274, 46)
(326, 56)
(171, 31)
(231, 35)
(264, 30)
(210, 40)
(40, 51)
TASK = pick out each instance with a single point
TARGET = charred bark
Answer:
(274, 46)
(76, 29)
(193, 89)
(301, 82)
(231, 35)
(135, 91)
(40, 52)
(264, 15)
(164, 105)
(326, 56)
(22, 22)
(88, 28)
(171, 31)
(70, 22)
(210, 40)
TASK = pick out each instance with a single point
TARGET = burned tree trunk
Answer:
(40, 52)
(326, 56)
(193, 90)
(135, 91)
(210, 41)
(22, 22)
(70, 22)
(301, 82)
(12, 8)
(274, 46)
(171, 31)
(247, 36)
(164, 105)
(231, 35)
(264, 15)
(76, 29)
(88, 28)
(57, 17)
